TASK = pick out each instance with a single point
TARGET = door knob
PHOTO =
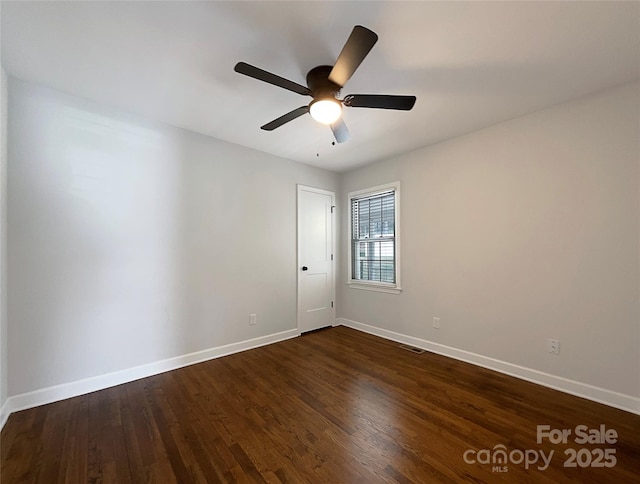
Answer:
(304, 268)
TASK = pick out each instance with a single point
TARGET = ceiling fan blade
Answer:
(358, 45)
(380, 101)
(262, 75)
(290, 116)
(340, 131)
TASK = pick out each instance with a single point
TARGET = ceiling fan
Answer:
(324, 84)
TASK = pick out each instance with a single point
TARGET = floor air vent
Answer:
(413, 349)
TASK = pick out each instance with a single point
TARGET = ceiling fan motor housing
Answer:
(319, 83)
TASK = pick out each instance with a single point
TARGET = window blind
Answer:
(373, 237)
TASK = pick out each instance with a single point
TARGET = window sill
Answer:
(374, 288)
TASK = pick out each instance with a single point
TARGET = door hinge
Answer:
(331, 256)
(332, 207)
(331, 303)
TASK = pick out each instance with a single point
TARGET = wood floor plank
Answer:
(335, 406)
(52, 464)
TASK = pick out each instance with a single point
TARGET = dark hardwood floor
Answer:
(334, 406)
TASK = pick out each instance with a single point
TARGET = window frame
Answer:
(377, 286)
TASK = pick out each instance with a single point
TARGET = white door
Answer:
(315, 258)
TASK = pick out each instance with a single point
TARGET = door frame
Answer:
(332, 194)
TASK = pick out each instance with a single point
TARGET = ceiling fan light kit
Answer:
(325, 111)
(324, 84)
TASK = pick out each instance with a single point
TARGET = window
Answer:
(374, 261)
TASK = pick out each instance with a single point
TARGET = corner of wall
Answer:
(3, 250)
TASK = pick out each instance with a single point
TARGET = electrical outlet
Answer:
(553, 346)
(252, 320)
(436, 323)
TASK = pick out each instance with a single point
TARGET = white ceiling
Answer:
(471, 64)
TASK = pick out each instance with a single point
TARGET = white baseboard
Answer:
(596, 394)
(88, 385)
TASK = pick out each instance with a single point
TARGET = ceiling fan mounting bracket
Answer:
(319, 83)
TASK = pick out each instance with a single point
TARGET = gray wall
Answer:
(517, 233)
(131, 242)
